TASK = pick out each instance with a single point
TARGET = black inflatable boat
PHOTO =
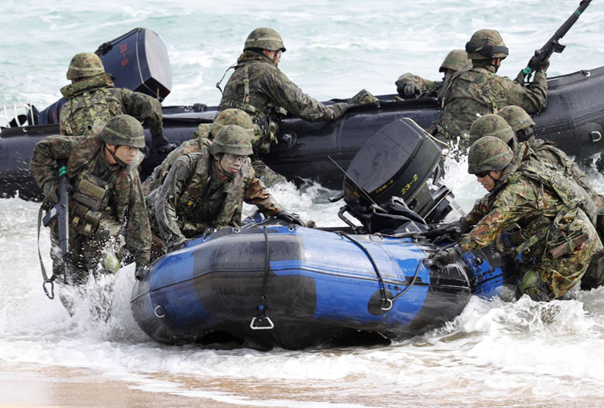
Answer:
(574, 118)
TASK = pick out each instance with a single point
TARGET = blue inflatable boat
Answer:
(294, 287)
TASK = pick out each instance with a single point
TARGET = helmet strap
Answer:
(118, 160)
(225, 172)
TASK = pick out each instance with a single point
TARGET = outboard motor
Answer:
(137, 60)
(398, 161)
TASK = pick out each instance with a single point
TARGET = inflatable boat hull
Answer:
(321, 289)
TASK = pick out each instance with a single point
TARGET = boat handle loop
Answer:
(158, 309)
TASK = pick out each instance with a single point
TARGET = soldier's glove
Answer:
(339, 109)
(445, 257)
(161, 145)
(290, 218)
(411, 89)
(175, 246)
(50, 192)
(544, 66)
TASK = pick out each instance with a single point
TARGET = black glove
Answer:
(161, 145)
(339, 109)
(446, 256)
(50, 192)
(411, 89)
(290, 218)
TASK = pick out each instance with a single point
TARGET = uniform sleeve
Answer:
(64, 125)
(170, 191)
(257, 194)
(508, 208)
(423, 84)
(138, 229)
(479, 211)
(144, 107)
(286, 94)
(46, 152)
(532, 98)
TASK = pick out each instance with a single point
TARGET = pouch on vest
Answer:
(91, 191)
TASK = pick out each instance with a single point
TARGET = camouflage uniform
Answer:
(192, 197)
(205, 132)
(93, 100)
(106, 200)
(258, 87)
(456, 60)
(479, 91)
(547, 152)
(556, 239)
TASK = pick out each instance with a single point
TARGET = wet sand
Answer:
(27, 385)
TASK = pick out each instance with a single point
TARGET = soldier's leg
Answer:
(552, 278)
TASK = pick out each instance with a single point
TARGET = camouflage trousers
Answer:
(558, 276)
(267, 175)
(87, 255)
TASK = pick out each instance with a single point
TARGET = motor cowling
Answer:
(398, 161)
(137, 60)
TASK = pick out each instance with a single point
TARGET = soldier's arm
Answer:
(507, 208)
(479, 211)
(170, 191)
(46, 152)
(532, 98)
(286, 94)
(257, 194)
(138, 229)
(64, 125)
(423, 84)
(145, 108)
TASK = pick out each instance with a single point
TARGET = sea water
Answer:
(495, 353)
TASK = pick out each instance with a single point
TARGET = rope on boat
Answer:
(385, 300)
(261, 321)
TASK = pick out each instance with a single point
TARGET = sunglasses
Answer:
(483, 174)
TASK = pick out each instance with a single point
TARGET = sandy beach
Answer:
(28, 385)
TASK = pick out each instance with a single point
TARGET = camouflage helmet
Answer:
(264, 38)
(84, 65)
(485, 45)
(516, 117)
(232, 116)
(456, 60)
(489, 154)
(491, 125)
(124, 130)
(232, 139)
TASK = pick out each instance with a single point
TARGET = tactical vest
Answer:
(90, 204)
(547, 234)
(90, 104)
(224, 205)
(471, 89)
(265, 120)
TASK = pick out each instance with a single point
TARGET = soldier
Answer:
(534, 208)
(205, 132)
(260, 88)
(206, 189)
(479, 91)
(493, 125)
(546, 151)
(409, 85)
(92, 100)
(106, 200)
